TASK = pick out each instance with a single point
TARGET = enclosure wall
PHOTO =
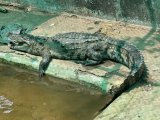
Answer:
(136, 11)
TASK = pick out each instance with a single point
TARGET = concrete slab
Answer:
(141, 103)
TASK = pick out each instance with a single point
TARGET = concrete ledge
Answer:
(93, 77)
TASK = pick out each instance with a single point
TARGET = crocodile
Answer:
(83, 48)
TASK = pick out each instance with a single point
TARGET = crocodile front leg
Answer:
(46, 58)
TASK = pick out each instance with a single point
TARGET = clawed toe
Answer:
(41, 74)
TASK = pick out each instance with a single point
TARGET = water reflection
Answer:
(5, 105)
(22, 95)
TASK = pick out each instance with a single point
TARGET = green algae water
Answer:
(24, 97)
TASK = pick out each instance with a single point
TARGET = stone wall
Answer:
(135, 11)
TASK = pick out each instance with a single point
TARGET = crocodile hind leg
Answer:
(46, 58)
(94, 55)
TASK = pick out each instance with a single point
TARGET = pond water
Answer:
(24, 97)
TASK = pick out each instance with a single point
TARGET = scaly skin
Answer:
(84, 48)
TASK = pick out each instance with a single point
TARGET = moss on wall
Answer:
(136, 11)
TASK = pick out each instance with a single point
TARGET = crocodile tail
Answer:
(137, 68)
(134, 75)
(126, 54)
